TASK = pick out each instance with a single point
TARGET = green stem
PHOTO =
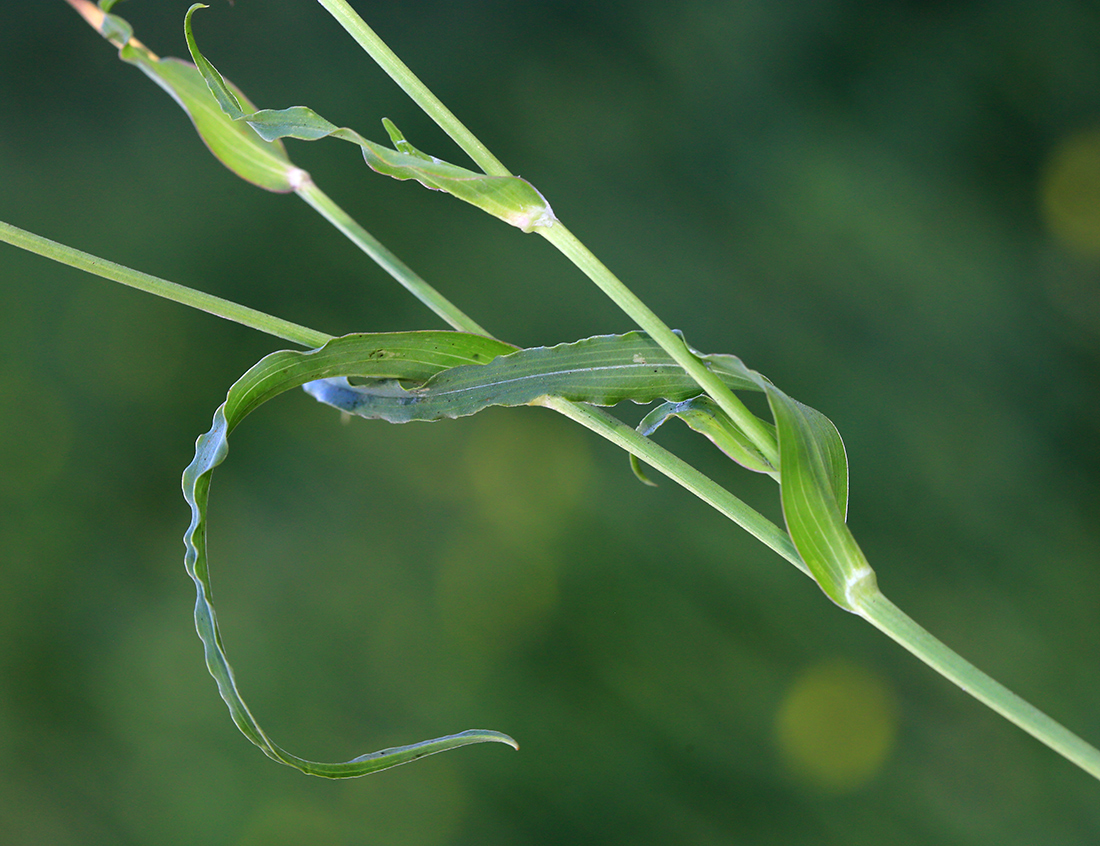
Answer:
(675, 468)
(250, 317)
(557, 234)
(896, 624)
(399, 72)
(400, 271)
(673, 344)
(594, 419)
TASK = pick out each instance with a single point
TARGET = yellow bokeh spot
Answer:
(1070, 193)
(524, 476)
(526, 473)
(836, 726)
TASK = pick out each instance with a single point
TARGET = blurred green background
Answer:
(891, 209)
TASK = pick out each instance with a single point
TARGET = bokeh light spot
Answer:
(836, 726)
(526, 473)
(1070, 193)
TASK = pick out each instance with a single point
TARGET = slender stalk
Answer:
(675, 468)
(227, 309)
(896, 624)
(556, 234)
(611, 285)
(595, 419)
(399, 72)
(396, 268)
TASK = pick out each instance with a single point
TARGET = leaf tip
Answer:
(500, 737)
(639, 471)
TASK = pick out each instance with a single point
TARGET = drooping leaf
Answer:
(236, 145)
(509, 198)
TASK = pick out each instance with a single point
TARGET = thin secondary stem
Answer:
(385, 259)
(675, 468)
(399, 72)
(227, 309)
(896, 624)
(672, 343)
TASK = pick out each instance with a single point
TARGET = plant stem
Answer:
(896, 624)
(672, 343)
(396, 268)
(595, 419)
(399, 72)
(227, 309)
(675, 468)
(556, 234)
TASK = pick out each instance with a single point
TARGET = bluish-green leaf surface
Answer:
(413, 356)
(603, 370)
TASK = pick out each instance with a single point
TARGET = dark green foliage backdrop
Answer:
(890, 209)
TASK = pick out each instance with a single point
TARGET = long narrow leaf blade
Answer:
(414, 356)
(603, 370)
(236, 145)
(509, 198)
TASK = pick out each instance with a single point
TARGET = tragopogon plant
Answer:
(433, 375)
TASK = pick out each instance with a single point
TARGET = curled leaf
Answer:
(413, 356)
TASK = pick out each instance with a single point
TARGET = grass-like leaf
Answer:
(603, 370)
(509, 198)
(413, 356)
(236, 145)
(814, 490)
